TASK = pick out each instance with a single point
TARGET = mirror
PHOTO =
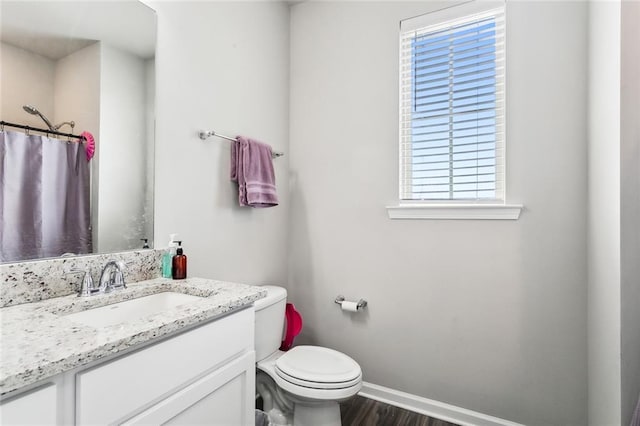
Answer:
(91, 63)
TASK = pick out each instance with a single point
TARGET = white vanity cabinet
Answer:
(205, 375)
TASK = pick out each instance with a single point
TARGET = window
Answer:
(452, 81)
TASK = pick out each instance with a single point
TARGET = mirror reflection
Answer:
(76, 148)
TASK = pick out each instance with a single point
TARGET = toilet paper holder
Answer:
(361, 303)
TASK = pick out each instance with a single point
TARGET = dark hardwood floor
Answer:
(360, 411)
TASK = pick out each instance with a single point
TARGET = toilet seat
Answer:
(318, 368)
(318, 385)
(293, 373)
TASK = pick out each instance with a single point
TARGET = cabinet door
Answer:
(38, 407)
(222, 398)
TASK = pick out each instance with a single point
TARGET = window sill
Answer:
(455, 211)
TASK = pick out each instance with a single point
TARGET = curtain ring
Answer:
(27, 131)
(2, 127)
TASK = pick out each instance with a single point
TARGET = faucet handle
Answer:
(118, 278)
(87, 288)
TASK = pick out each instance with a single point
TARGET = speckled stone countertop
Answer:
(37, 341)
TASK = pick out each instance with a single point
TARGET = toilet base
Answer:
(327, 414)
(297, 410)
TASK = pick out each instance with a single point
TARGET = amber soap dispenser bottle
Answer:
(179, 264)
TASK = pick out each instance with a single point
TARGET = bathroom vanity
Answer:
(187, 358)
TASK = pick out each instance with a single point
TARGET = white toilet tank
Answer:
(269, 321)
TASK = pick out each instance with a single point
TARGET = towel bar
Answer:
(204, 135)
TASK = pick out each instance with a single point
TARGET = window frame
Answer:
(495, 208)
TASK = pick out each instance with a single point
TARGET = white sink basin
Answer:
(131, 310)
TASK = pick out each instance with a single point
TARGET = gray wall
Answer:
(490, 316)
(630, 207)
(486, 315)
(221, 66)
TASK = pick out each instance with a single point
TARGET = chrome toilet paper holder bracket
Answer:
(361, 303)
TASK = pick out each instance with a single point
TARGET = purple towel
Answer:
(252, 168)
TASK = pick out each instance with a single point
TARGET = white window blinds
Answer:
(452, 105)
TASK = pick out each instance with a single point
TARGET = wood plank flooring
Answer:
(360, 411)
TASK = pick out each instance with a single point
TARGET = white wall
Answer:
(630, 208)
(122, 151)
(604, 213)
(76, 95)
(61, 90)
(486, 315)
(221, 66)
(25, 79)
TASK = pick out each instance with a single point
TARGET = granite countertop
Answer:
(37, 341)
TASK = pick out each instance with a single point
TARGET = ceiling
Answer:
(59, 28)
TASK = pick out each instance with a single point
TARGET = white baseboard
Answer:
(431, 408)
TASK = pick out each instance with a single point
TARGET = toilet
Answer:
(306, 383)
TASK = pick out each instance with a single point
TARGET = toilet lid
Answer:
(314, 364)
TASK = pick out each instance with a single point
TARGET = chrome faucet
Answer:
(112, 277)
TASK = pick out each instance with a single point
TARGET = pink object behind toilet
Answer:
(293, 321)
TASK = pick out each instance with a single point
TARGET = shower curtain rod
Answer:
(36, 129)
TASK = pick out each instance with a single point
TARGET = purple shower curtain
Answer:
(44, 197)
